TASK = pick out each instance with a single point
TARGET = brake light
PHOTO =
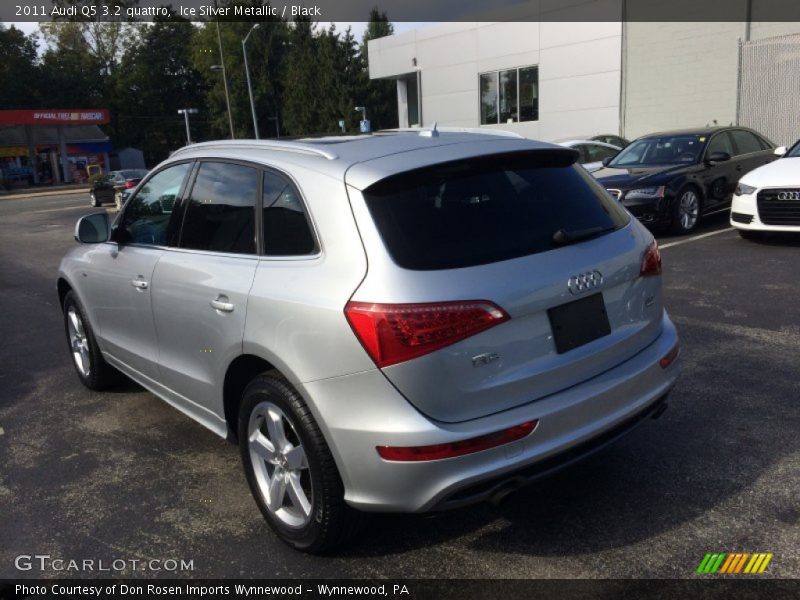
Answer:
(651, 261)
(130, 184)
(459, 448)
(394, 333)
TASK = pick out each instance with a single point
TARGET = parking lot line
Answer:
(697, 237)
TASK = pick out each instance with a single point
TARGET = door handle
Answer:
(139, 284)
(738, 167)
(221, 304)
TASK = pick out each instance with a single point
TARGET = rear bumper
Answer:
(361, 411)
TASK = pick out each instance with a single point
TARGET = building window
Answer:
(488, 98)
(510, 96)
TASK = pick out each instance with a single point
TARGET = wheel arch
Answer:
(64, 288)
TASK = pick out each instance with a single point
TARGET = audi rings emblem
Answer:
(583, 282)
(788, 195)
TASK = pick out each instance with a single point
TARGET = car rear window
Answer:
(489, 209)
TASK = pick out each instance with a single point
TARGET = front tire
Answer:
(93, 200)
(290, 469)
(686, 212)
(92, 369)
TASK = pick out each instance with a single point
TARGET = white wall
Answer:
(579, 71)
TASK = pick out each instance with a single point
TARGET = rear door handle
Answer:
(139, 284)
(221, 304)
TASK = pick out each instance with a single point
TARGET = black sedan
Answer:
(106, 188)
(675, 178)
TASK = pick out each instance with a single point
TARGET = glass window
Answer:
(721, 143)
(487, 209)
(488, 98)
(529, 94)
(745, 142)
(508, 96)
(220, 211)
(664, 150)
(596, 152)
(286, 229)
(148, 213)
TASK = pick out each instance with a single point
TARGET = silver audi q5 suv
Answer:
(405, 321)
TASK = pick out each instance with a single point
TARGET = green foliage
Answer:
(305, 79)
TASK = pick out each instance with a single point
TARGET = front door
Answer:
(121, 288)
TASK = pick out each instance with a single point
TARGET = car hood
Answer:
(784, 172)
(624, 178)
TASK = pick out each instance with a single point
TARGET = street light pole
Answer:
(225, 80)
(186, 112)
(247, 73)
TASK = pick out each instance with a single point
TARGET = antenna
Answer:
(432, 132)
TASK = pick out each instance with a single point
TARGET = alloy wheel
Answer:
(78, 342)
(280, 465)
(688, 210)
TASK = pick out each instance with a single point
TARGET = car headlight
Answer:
(743, 189)
(644, 193)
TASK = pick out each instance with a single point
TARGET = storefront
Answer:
(52, 146)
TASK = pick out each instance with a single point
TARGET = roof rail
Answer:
(429, 131)
(299, 147)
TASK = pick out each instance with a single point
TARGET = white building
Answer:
(556, 80)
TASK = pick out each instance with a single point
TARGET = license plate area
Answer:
(579, 322)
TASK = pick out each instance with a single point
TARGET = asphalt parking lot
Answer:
(121, 475)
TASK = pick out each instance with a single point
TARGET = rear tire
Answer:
(92, 369)
(686, 212)
(290, 469)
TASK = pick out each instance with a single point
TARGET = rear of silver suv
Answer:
(474, 313)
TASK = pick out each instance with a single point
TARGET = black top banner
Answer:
(404, 10)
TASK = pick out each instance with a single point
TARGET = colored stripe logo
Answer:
(734, 563)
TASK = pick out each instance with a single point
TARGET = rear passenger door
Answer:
(751, 151)
(201, 285)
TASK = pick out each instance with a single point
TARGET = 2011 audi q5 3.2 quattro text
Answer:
(406, 321)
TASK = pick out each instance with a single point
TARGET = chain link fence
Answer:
(769, 87)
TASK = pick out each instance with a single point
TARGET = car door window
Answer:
(286, 229)
(596, 153)
(220, 210)
(746, 142)
(720, 143)
(147, 215)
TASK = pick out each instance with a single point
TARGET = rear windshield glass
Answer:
(489, 209)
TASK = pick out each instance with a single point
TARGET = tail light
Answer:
(130, 183)
(394, 333)
(459, 448)
(651, 261)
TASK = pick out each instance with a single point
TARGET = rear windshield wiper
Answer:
(563, 237)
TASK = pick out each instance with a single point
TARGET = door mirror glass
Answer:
(780, 150)
(92, 229)
(716, 157)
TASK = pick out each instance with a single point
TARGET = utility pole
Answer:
(224, 77)
(186, 112)
(249, 85)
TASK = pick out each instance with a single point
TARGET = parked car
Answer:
(675, 178)
(592, 154)
(395, 322)
(106, 188)
(768, 198)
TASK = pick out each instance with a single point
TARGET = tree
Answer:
(380, 95)
(302, 102)
(18, 70)
(159, 79)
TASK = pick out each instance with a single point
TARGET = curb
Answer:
(55, 192)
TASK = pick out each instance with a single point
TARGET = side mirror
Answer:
(716, 157)
(780, 151)
(92, 229)
(607, 160)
